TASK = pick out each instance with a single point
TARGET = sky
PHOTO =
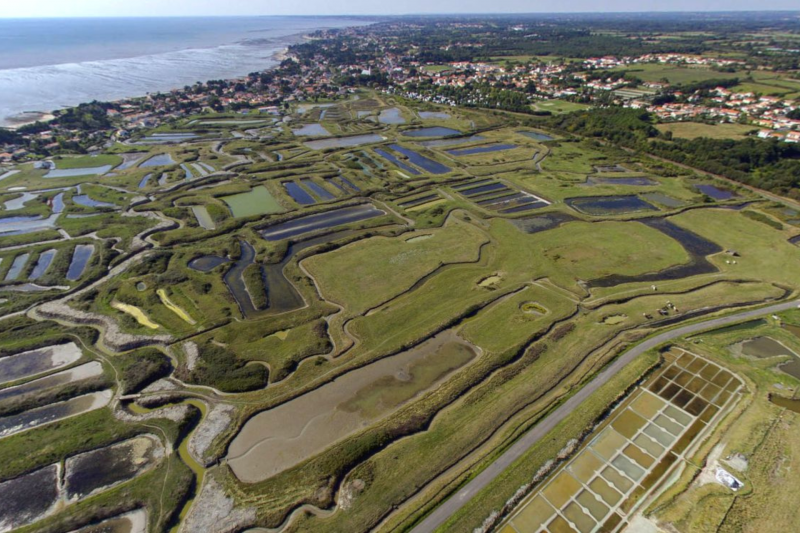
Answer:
(128, 8)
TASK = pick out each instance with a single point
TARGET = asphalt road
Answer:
(460, 499)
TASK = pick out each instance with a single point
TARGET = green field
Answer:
(692, 130)
(258, 201)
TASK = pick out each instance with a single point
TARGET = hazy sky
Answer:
(89, 8)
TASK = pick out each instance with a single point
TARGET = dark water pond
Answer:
(696, 246)
(392, 159)
(435, 131)
(523, 207)
(320, 221)
(482, 149)
(483, 189)
(317, 189)
(506, 197)
(98, 469)
(715, 192)
(298, 194)
(462, 186)
(349, 184)
(80, 259)
(418, 201)
(609, 205)
(207, 263)
(235, 281)
(28, 497)
(791, 404)
(45, 259)
(433, 167)
(344, 142)
(32, 418)
(536, 136)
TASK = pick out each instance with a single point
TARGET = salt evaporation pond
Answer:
(33, 418)
(234, 279)
(143, 183)
(133, 522)
(317, 189)
(188, 172)
(482, 149)
(28, 498)
(45, 259)
(663, 199)
(391, 116)
(344, 142)
(83, 253)
(34, 362)
(19, 203)
(86, 201)
(311, 130)
(16, 267)
(280, 438)
(203, 217)
(130, 160)
(715, 192)
(609, 205)
(436, 131)
(636, 181)
(298, 194)
(78, 373)
(427, 115)
(536, 136)
(76, 172)
(392, 159)
(160, 160)
(166, 138)
(431, 166)
(329, 219)
(440, 143)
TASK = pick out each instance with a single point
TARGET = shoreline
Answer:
(25, 118)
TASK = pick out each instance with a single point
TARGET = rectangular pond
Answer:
(16, 267)
(73, 375)
(476, 191)
(430, 115)
(634, 181)
(663, 199)
(344, 142)
(391, 116)
(160, 160)
(80, 259)
(311, 130)
(319, 221)
(431, 166)
(435, 131)
(33, 418)
(392, 159)
(609, 205)
(203, 218)
(298, 194)
(317, 189)
(167, 138)
(536, 136)
(42, 264)
(76, 172)
(482, 149)
(258, 201)
(34, 362)
(715, 192)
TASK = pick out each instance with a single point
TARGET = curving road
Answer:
(460, 499)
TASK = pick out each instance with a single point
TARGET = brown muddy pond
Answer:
(280, 438)
(764, 348)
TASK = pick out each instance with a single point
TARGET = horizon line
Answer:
(412, 14)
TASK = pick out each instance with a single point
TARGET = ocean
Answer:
(48, 64)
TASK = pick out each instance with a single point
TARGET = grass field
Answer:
(87, 161)
(693, 130)
(558, 106)
(676, 75)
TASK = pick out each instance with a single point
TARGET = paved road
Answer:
(460, 499)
